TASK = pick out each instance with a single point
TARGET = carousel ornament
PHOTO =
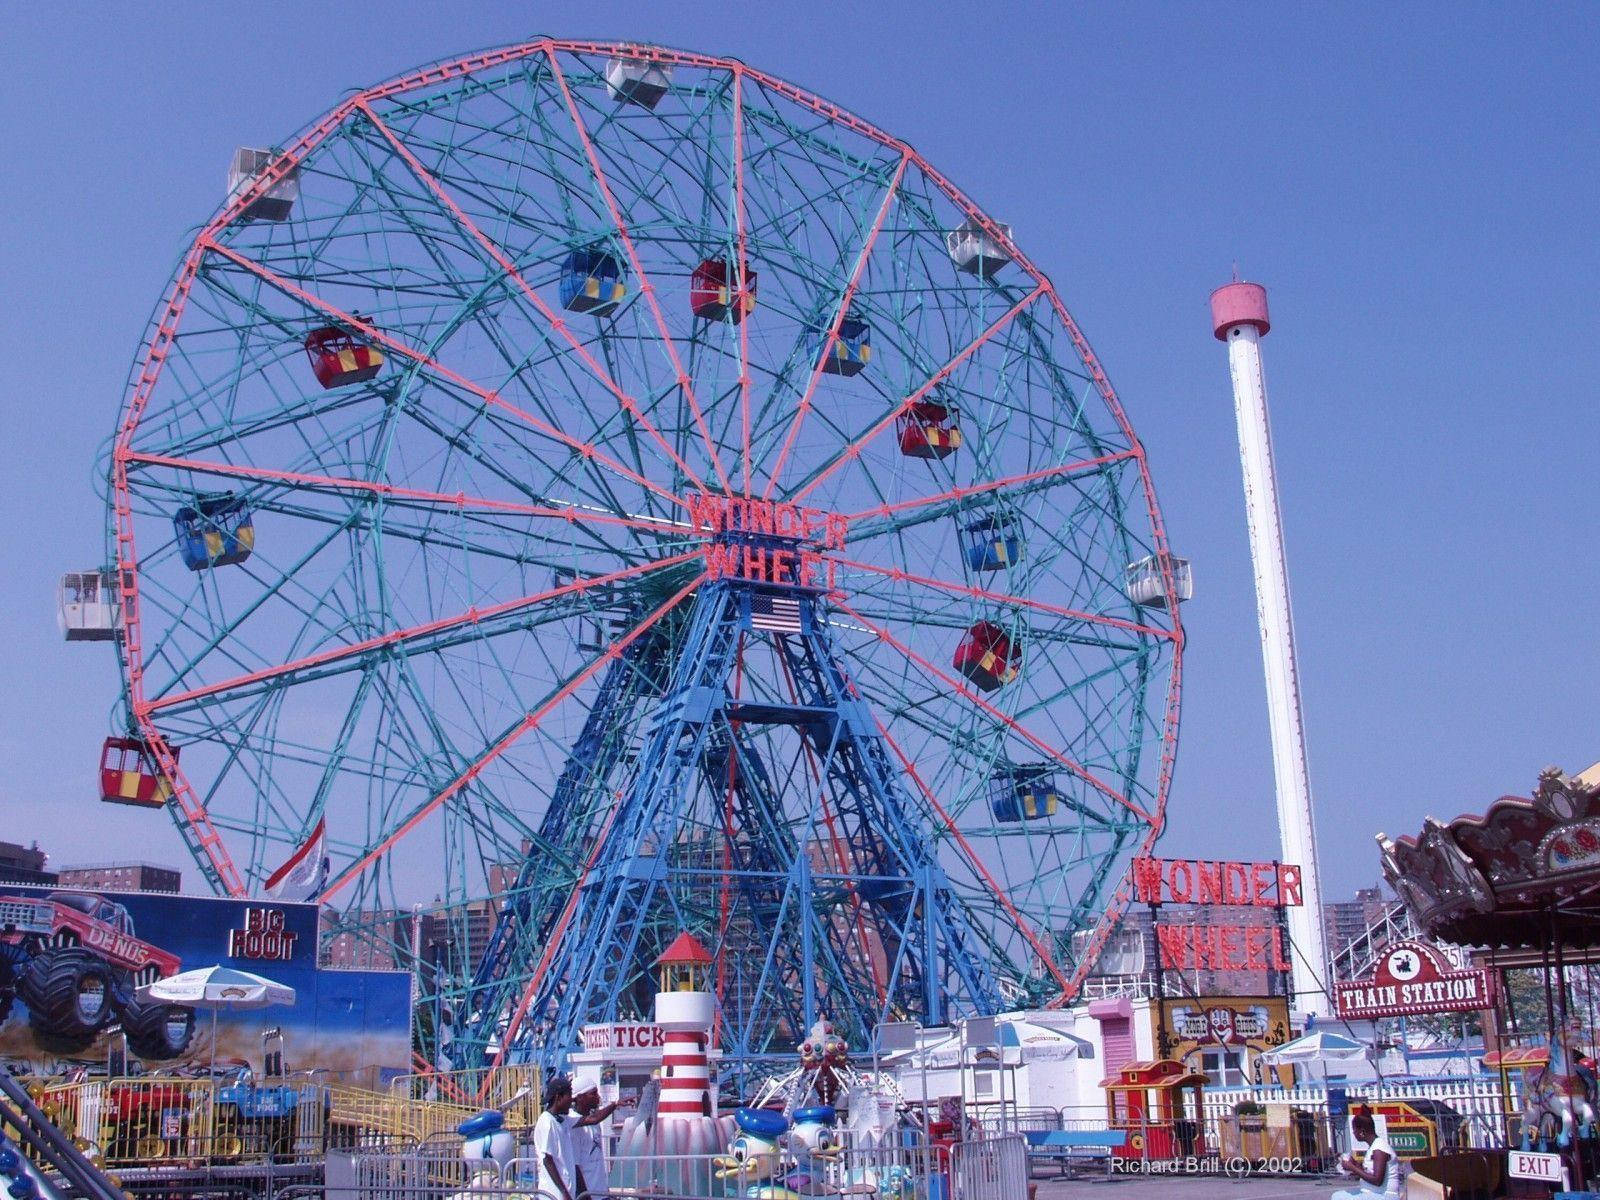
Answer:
(1464, 882)
(1562, 797)
(826, 1056)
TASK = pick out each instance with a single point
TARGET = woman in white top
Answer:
(1378, 1169)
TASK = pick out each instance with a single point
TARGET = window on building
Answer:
(1223, 1068)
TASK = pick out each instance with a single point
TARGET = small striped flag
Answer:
(778, 613)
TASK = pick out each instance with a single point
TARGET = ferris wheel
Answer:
(596, 491)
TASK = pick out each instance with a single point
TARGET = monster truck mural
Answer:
(74, 960)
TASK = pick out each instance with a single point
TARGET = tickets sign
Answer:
(1413, 979)
(624, 1035)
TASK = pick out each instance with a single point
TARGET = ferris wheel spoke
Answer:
(841, 312)
(571, 513)
(970, 857)
(960, 688)
(378, 336)
(944, 503)
(647, 289)
(852, 449)
(468, 620)
(557, 324)
(990, 595)
(529, 722)
(741, 238)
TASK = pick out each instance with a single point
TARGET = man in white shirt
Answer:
(552, 1146)
(1378, 1168)
(588, 1143)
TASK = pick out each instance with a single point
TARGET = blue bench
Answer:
(1067, 1146)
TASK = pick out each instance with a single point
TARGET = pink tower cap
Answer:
(1238, 304)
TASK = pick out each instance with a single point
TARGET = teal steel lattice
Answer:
(478, 585)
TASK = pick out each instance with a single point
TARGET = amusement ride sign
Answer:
(1185, 947)
(1413, 979)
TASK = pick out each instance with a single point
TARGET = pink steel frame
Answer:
(170, 311)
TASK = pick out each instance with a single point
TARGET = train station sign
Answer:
(1413, 979)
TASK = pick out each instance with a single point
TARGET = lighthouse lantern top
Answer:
(683, 964)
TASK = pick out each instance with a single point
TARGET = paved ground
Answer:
(1191, 1187)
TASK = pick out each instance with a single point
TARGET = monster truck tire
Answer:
(52, 988)
(155, 1032)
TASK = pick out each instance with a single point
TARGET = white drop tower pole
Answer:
(1239, 318)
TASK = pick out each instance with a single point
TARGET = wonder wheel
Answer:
(594, 491)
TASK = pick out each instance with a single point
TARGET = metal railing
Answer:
(150, 1120)
(153, 1120)
(514, 1090)
(990, 1169)
(1357, 957)
(987, 1168)
(358, 1117)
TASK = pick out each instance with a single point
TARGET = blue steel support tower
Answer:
(820, 896)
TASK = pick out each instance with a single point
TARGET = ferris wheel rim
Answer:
(170, 311)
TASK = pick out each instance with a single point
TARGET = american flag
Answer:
(778, 613)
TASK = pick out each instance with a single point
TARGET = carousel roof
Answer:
(1524, 870)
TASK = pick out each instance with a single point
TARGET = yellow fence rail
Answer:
(358, 1116)
(514, 1090)
(154, 1120)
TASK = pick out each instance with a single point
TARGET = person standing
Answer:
(588, 1143)
(552, 1144)
(1378, 1168)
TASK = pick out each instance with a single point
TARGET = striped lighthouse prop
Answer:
(677, 1116)
(685, 1011)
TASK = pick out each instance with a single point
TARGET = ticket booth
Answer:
(625, 1055)
(1159, 1104)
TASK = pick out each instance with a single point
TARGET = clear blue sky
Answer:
(1416, 184)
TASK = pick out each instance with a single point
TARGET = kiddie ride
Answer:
(1159, 1105)
(784, 1158)
(255, 1120)
(73, 959)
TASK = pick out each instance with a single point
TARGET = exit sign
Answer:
(1546, 1168)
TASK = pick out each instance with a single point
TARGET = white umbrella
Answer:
(1319, 1047)
(216, 988)
(1039, 1042)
